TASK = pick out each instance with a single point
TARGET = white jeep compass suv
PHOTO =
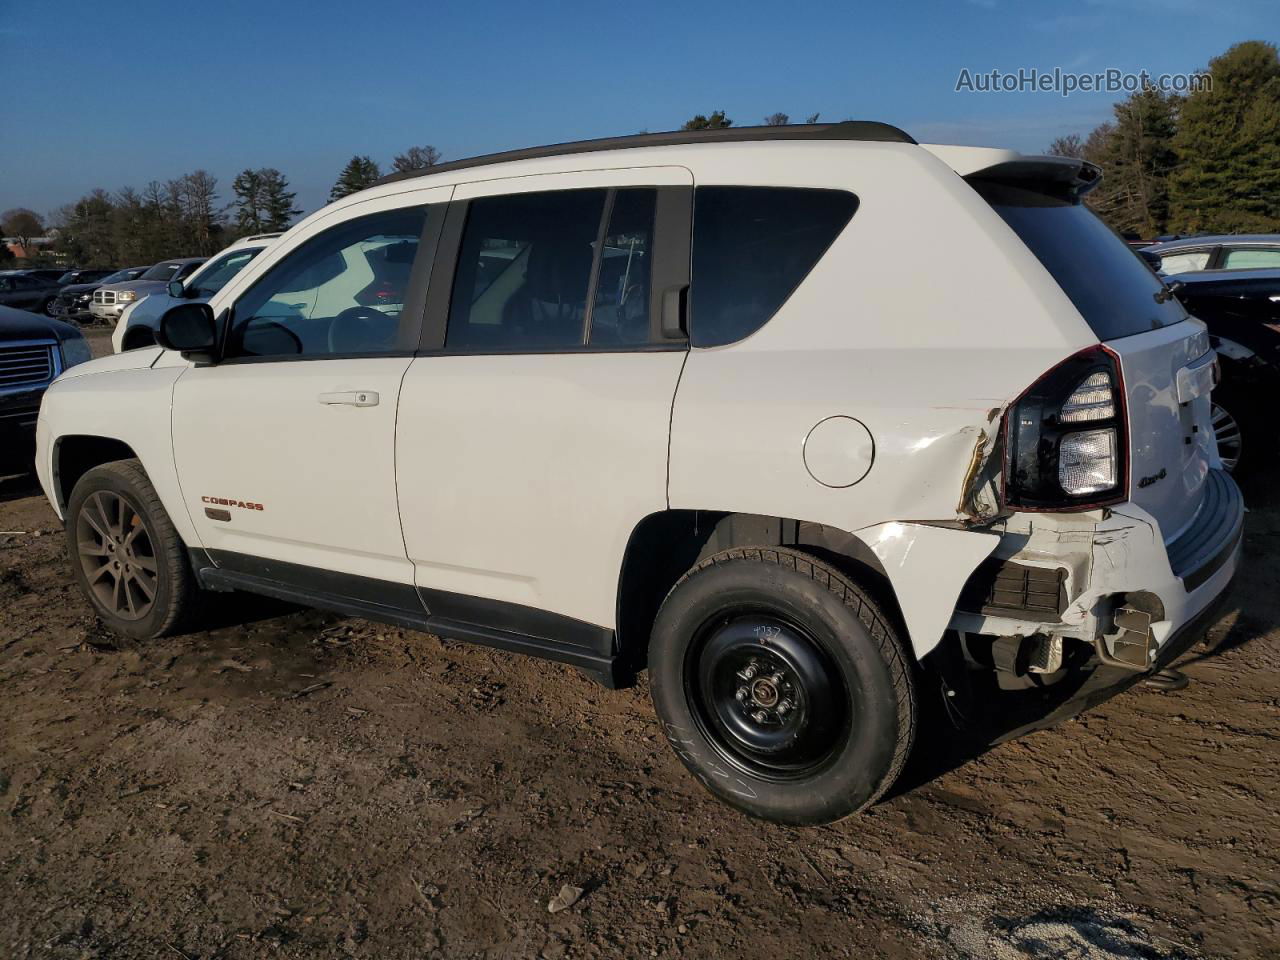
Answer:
(797, 418)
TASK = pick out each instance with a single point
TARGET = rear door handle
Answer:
(351, 398)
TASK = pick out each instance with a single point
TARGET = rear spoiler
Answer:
(1073, 176)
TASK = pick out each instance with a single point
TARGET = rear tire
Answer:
(781, 686)
(126, 555)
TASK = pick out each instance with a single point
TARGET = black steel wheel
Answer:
(781, 685)
(126, 555)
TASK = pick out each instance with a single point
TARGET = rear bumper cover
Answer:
(1107, 559)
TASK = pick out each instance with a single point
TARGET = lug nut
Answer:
(758, 716)
(785, 707)
(741, 694)
(747, 672)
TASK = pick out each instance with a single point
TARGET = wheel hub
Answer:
(117, 555)
(768, 696)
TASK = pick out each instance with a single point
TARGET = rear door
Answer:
(533, 430)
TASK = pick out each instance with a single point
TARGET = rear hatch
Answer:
(1165, 359)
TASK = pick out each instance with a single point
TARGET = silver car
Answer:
(110, 299)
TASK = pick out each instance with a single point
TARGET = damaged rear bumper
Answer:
(1108, 579)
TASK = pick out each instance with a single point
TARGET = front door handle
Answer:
(351, 398)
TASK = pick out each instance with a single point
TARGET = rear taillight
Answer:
(1066, 437)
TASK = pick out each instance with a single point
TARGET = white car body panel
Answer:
(324, 473)
(584, 435)
(129, 402)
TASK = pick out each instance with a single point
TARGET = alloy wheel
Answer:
(1227, 432)
(117, 555)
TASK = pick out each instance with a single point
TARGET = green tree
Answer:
(716, 121)
(359, 173)
(1137, 159)
(1229, 141)
(278, 200)
(248, 203)
(85, 230)
(416, 158)
(264, 203)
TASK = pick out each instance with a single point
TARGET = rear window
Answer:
(752, 246)
(1110, 285)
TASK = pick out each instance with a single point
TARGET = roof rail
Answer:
(867, 130)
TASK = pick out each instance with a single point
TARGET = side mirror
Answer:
(190, 328)
(177, 290)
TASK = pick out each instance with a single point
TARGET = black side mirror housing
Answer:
(177, 290)
(190, 329)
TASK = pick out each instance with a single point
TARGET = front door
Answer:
(286, 449)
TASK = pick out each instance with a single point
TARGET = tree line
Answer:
(1207, 162)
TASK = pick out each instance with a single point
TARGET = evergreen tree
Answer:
(264, 203)
(416, 158)
(250, 216)
(277, 201)
(360, 172)
(716, 121)
(1137, 158)
(1229, 142)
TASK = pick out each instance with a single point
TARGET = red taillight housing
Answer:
(1067, 437)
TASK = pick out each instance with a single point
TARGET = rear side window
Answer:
(524, 270)
(752, 246)
(1109, 284)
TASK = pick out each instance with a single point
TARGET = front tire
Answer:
(126, 555)
(782, 686)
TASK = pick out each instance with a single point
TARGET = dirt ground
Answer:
(296, 784)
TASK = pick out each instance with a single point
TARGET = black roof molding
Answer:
(865, 130)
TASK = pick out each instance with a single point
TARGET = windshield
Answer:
(1110, 285)
(214, 276)
(120, 276)
(162, 271)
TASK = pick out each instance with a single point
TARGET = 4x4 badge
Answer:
(1148, 481)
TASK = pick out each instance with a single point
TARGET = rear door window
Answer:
(1184, 261)
(1109, 284)
(752, 246)
(524, 270)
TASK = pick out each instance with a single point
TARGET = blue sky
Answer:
(117, 94)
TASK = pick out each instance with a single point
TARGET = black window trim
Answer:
(410, 327)
(669, 270)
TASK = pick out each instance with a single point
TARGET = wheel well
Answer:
(138, 337)
(77, 455)
(663, 546)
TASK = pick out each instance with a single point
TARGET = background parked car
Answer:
(33, 350)
(25, 291)
(1227, 252)
(97, 274)
(110, 299)
(1241, 308)
(73, 301)
(138, 324)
